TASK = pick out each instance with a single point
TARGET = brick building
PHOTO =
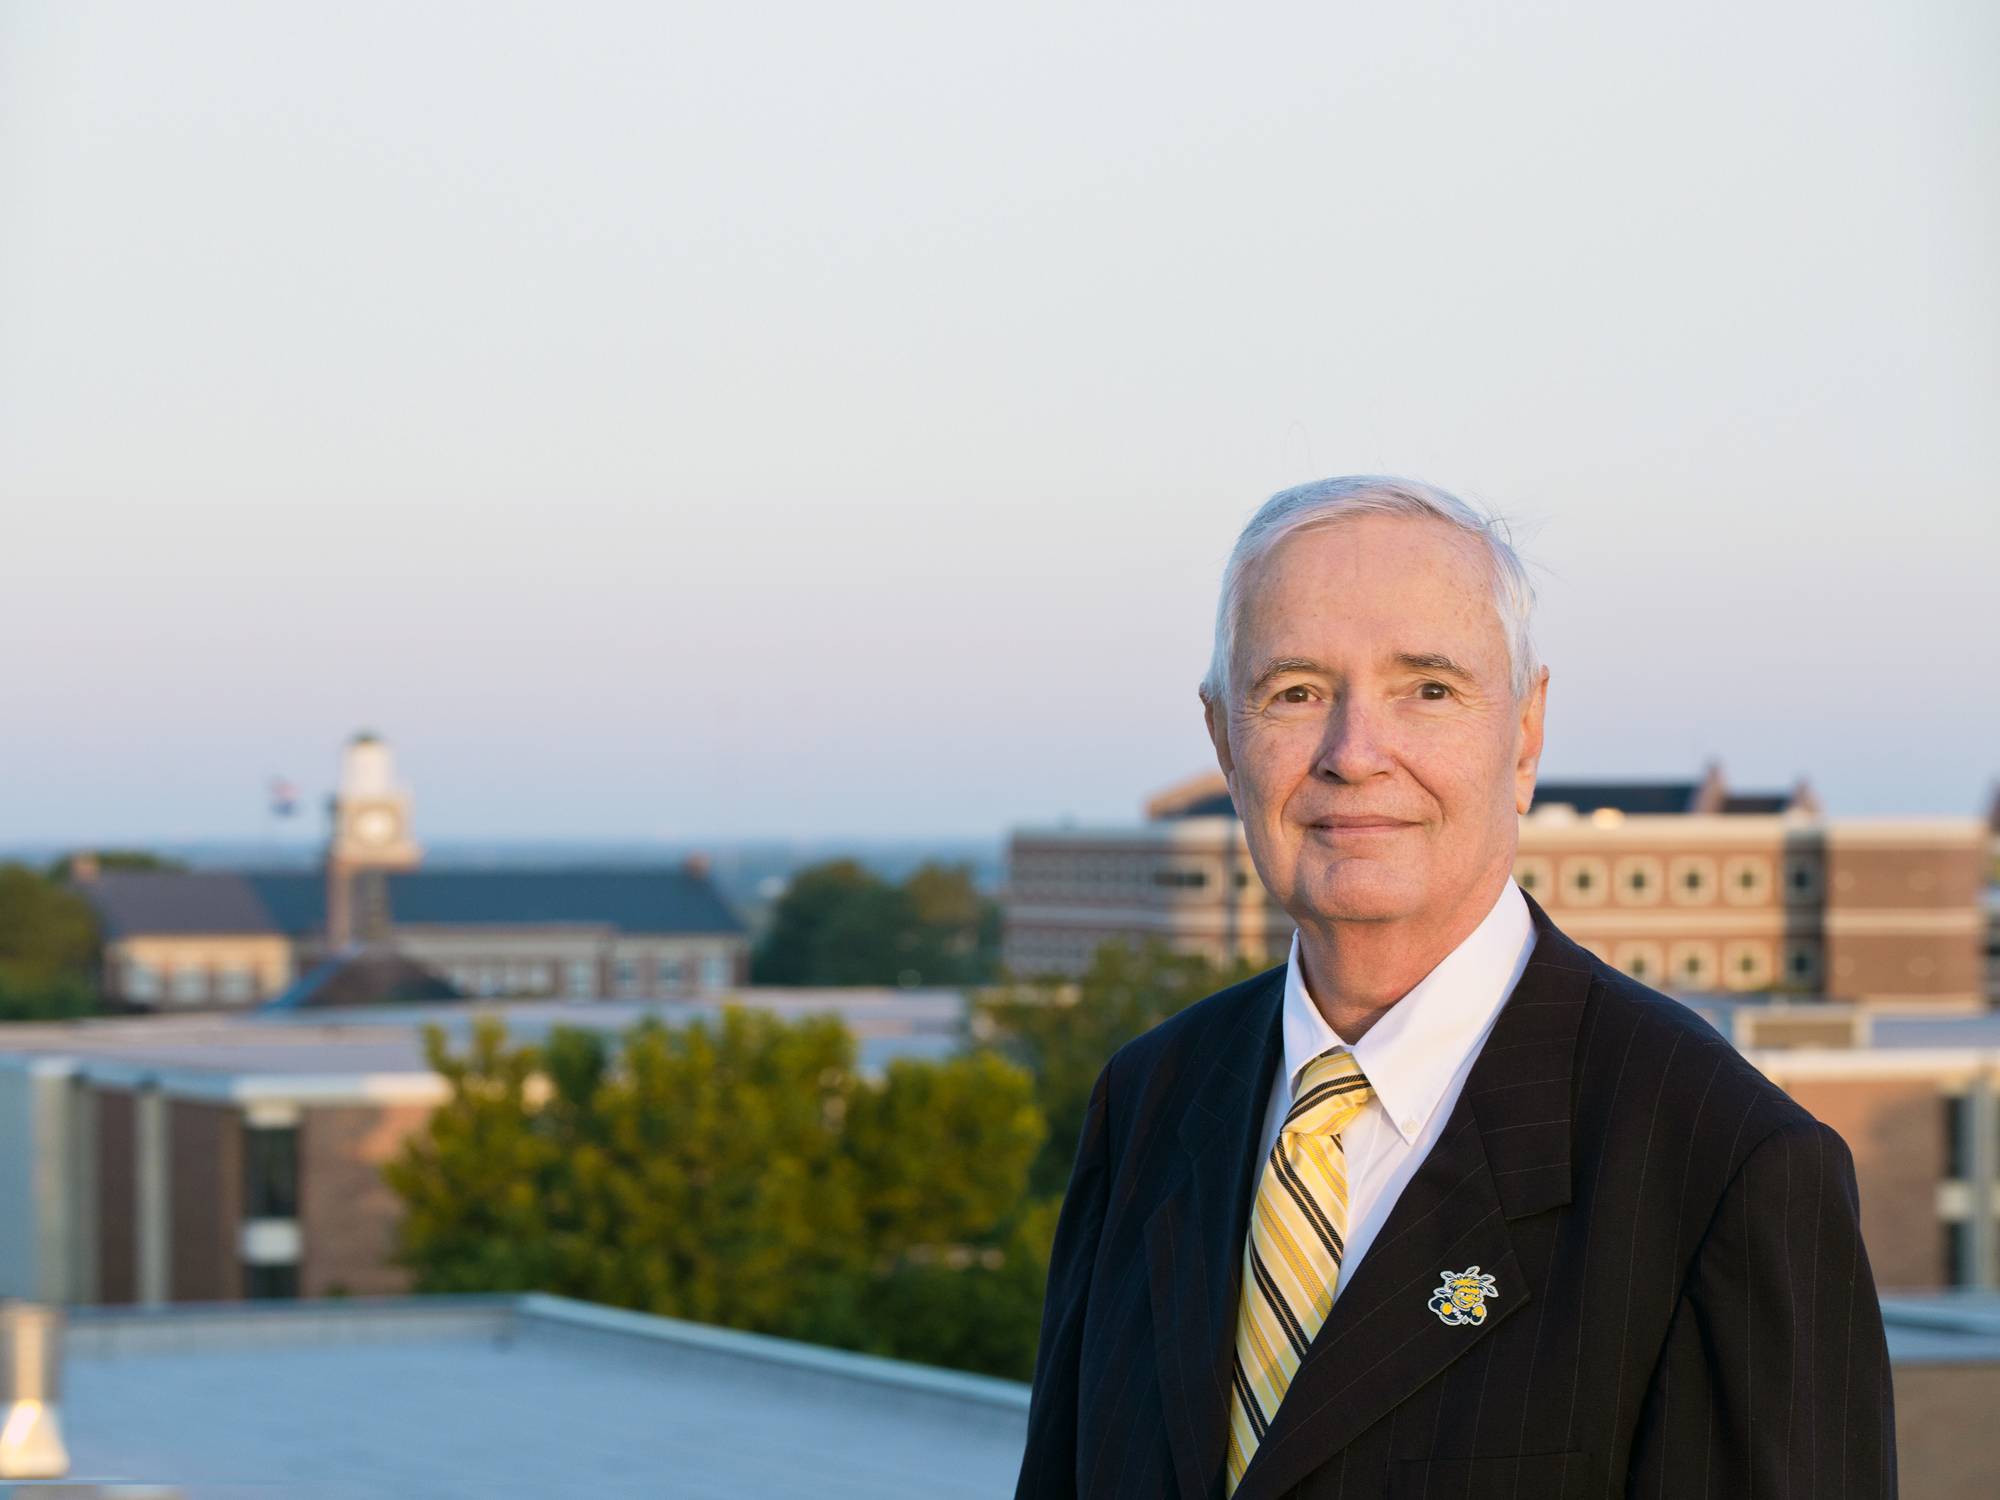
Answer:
(1686, 885)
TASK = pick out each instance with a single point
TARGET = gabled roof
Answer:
(629, 900)
(367, 977)
(167, 902)
(1203, 796)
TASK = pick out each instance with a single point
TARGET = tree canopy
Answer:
(743, 1173)
(48, 948)
(840, 923)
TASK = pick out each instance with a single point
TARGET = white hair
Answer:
(1327, 502)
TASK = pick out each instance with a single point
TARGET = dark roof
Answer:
(1757, 802)
(369, 977)
(172, 901)
(1625, 796)
(635, 900)
(1215, 805)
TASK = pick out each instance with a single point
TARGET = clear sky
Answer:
(717, 420)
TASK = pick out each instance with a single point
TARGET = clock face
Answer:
(375, 825)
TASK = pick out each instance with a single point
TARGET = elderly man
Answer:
(1444, 1206)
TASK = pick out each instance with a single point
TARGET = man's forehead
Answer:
(1428, 592)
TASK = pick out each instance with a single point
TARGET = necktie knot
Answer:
(1331, 1091)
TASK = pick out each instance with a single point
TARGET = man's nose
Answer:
(1356, 744)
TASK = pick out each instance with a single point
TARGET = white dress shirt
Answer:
(1416, 1057)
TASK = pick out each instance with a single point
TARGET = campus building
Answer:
(186, 940)
(1690, 886)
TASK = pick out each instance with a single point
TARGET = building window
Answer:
(1585, 881)
(715, 971)
(1746, 880)
(235, 985)
(1189, 880)
(1746, 966)
(1957, 1118)
(582, 979)
(261, 1282)
(1641, 961)
(1691, 880)
(142, 982)
(1955, 1251)
(188, 986)
(625, 976)
(1801, 880)
(271, 1172)
(1693, 966)
(1801, 965)
(1638, 880)
(670, 975)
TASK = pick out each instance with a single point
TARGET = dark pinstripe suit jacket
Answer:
(1684, 1307)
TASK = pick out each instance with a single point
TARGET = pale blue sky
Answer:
(712, 420)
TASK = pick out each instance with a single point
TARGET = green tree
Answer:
(48, 948)
(1064, 1033)
(839, 923)
(741, 1173)
(955, 927)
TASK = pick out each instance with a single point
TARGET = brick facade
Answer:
(205, 1157)
(347, 1213)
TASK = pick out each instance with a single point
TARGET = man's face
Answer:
(1369, 732)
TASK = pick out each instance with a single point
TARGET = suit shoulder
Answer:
(1636, 1030)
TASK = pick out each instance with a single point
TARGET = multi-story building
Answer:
(210, 939)
(1686, 885)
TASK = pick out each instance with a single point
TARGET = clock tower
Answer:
(370, 838)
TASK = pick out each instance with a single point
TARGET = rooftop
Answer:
(634, 899)
(378, 1051)
(512, 1396)
(529, 1396)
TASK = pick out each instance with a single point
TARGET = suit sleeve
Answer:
(1775, 1377)
(1048, 1467)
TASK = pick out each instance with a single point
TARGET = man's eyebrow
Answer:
(1433, 661)
(1278, 666)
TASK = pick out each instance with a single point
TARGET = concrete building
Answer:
(217, 939)
(1687, 885)
(202, 1158)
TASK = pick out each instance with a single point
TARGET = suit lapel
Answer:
(1503, 1154)
(1194, 1239)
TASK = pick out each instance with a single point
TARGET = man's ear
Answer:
(1218, 734)
(1529, 760)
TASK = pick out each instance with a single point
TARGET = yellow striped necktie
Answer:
(1291, 1260)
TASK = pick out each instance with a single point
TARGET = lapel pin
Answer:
(1461, 1300)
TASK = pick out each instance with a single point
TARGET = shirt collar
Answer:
(1412, 1053)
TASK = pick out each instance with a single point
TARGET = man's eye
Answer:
(1441, 694)
(1295, 695)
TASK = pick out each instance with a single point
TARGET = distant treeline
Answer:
(840, 923)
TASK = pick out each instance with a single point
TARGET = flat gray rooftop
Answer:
(490, 1398)
(388, 1040)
